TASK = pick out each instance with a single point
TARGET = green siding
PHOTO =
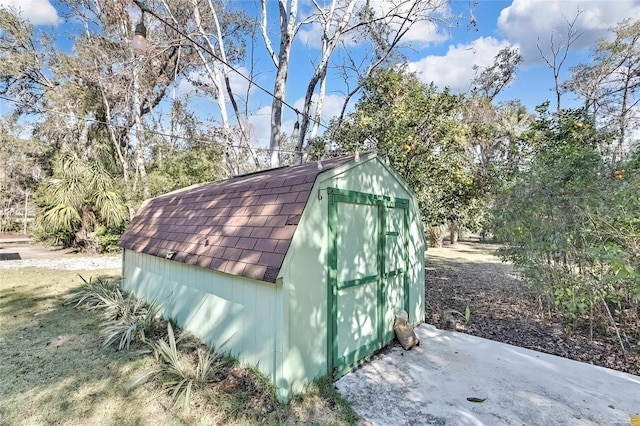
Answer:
(234, 314)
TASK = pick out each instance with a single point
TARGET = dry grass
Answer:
(54, 370)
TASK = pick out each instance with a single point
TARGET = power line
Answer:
(151, 131)
(144, 8)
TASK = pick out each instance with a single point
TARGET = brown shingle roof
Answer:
(241, 226)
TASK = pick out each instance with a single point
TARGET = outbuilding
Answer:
(297, 270)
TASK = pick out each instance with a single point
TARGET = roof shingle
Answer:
(241, 226)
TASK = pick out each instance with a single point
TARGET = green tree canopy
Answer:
(419, 127)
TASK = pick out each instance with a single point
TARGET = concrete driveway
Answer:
(430, 384)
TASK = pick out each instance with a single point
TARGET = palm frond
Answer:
(111, 208)
(61, 217)
(177, 371)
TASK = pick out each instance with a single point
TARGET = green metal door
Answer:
(367, 280)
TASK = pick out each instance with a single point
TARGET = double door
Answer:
(367, 282)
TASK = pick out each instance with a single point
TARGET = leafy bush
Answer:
(186, 368)
(108, 239)
(571, 223)
(79, 196)
(11, 225)
(135, 320)
(94, 294)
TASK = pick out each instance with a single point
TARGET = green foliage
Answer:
(93, 293)
(178, 167)
(570, 220)
(419, 128)
(10, 225)
(134, 320)
(108, 239)
(127, 319)
(79, 196)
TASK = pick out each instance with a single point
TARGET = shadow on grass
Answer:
(53, 368)
(57, 372)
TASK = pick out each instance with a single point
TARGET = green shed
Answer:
(298, 270)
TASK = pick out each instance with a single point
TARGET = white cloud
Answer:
(531, 22)
(311, 35)
(239, 84)
(260, 120)
(37, 12)
(455, 69)
(260, 126)
(425, 33)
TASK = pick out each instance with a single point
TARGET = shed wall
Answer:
(235, 315)
(304, 271)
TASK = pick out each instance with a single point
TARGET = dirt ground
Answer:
(505, 309)
(27, 249)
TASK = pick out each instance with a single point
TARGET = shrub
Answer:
(135, 319)
(570, 224)
(108, 239)
(94, 294)
(127, 319)
(179, 374)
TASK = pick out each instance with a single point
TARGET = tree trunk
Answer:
(26, 203)
(435, 235)
(287, 32)
(141, 169)
(124, 163)
(454, 232)
(216, 74)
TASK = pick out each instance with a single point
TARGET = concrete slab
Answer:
(430, 384)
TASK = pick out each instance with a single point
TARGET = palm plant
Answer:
(79, 195)
(134, 319)
(127, 318)
(179, 374)
(94, 293)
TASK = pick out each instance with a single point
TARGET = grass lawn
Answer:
(53, 369)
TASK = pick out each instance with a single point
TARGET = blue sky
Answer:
(444, 54)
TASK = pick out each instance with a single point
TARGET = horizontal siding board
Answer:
(233, 314)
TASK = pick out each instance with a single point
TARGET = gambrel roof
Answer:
(241, 226)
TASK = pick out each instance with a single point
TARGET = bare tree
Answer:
(333, 21)
(383, 27)
(558, 52)
(288, 10)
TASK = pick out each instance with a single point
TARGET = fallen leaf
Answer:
(473, 399)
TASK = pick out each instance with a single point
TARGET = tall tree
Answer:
(102, 88)
(609, 86)
(385, 24)
(490, 81)
(419, 128)
(558, 52)
(24, 162)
